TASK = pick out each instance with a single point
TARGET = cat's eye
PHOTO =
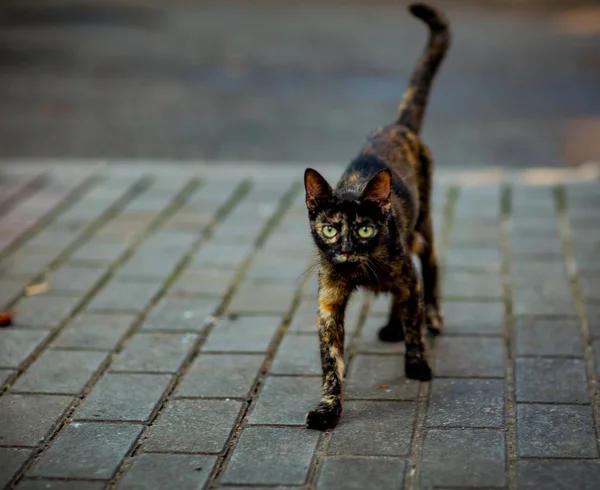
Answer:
(365, 231)
(329, 231)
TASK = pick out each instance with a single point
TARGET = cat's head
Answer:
(349, 225)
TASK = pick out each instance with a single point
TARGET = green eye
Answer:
(329, 231)
(365, 231)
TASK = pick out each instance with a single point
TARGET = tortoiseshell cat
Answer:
(366, 229)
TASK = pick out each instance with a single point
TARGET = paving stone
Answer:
(466, 403)
(124, 397)
(389, 425)
(547, 337)
(87, 450)
(45, 311)
(169, 240)
(471, 285)
(286, 400)
(219, 256)
(593, 318)
(556, 431)
(551, 380)
(94, 331)
(356, 473)
(236, 376)
(201, 426)
(10, 290)
(298, 354)
(273, 268)
(463, 458)
(369, 341)
(272, 455)
(536, 248)
(25, 420)
(78, 280)
(305, 318)
(543, 305)
(471, 357)
(156, 264)
(155, 352)
(214, 282)
(242, 334)
(473, 318)
(180, 314)
(18, 345)
(380, 377)
(60, 372)
(5, 374)
(60, 485)
(101, 250)
(28, 265)
(262, 298)
(472, 259)
(558, 474)
(125, 295)
(590, 286)
(159, 471)
(11, 461)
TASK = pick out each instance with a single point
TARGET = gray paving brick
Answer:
(536, 248)
(44, 311)
(11, 460)
(547, 337)
(201, 426)
(78, 280)
(558, 474)
(27, 265)
(389, 425)
(214, 282)
(180, 314)
(589, 284)
(466, 403)
(369, 341)
(60, 485)
(60, 372)
(101, 250)
(159, 471)
(471, 285)
(463, 458)
(551, 380)
(286, 400)
(471, 357)
(242, 334)
(272, 268)
(556, 431)
(262, 298)
(124, 397)
(5, 374)
(472, 259)
(592, 311)
(380, 377)
(25, 420)
(125, 295)
(219, 256)
(543, 305)
(155, 264)
(10, 290)
(155, 352)
(463, 317)
(18, 345)
(169, 240)
(94, 331)
(236, 376)
(356, 473)
(298, 354)
(87, 450)
(272, 455)
(305, 317)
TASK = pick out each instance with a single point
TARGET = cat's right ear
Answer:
(317, 188)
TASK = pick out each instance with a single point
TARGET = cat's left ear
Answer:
(317, 188)
(379, 189)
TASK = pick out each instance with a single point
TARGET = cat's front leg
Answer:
(332, 306)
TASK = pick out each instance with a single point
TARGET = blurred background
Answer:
(302, 81)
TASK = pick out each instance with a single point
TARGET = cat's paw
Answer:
(391, 333)
(417, 369)
(434, 320)
(323, 417)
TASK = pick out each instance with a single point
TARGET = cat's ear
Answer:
(317, 188)
(379, 189)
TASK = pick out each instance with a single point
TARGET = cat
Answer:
(367, 228)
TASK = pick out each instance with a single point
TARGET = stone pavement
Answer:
(175, 346)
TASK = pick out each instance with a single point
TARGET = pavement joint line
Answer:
(412, 472)
(67, 201)
(174, 204)
(111, 211)
(572, 271)
(237, 196)
(510, 404)
(24, 192)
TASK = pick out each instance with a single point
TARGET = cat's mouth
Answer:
(346, 258)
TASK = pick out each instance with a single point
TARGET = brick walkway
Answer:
(176, 347)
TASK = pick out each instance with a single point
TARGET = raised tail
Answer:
(412, 107)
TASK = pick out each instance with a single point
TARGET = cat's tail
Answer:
(412, 107)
